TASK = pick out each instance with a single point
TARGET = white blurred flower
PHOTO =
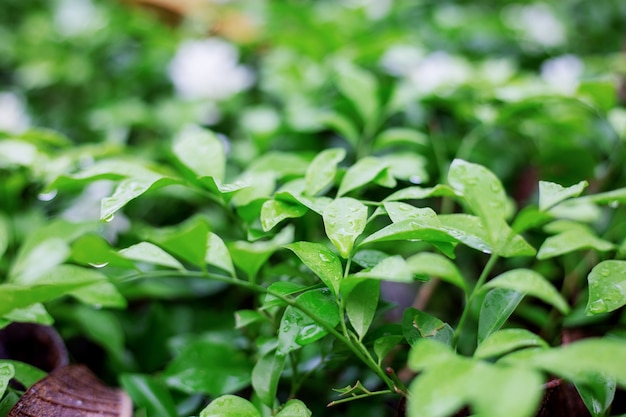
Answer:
(13, 117)
(400, 60)
(208, 69)
(537, 22)
(563, 72)
(440, 70)
(76, 17)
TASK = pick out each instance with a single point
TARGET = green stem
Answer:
(481, 281)
(358, 397)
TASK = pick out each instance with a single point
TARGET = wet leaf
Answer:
(187, 240)
(217, 254)
(322, 170)
(435, 265)
(393, 268)
(384, 345)
(576, 237)
(251, 256)
(399, 136)
(530, 283)
(361, 305)
(230, 406)
(266, 375)
(281, 288)
(129, 189)
(275, 211)
(597, 393)
(344, 221)
(360, 87)
(504, 341)
(497, 307)
(34, 313)
(6, 373)
(420, 193)
(363, 172)
(25, 373)
(418, 325)
(550, 193)
(607, 287)
(321, 260)
(201, 151)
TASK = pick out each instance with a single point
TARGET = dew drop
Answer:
(495, 187)
(324, 258)
(110, 218)
(598, 307)
(614, 204)
(415, 179)
(605, 272)
(99, 265)
(47, 196)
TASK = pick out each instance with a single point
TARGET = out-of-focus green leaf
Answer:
(25, 373)
(188, 240)
(129, 189)
(363, 172)
(34, 313)
(392, 268)
(507, 340)
(361, 305)
(597, 393)
(530, 283)
(401, 211)
(280, 288)
(47, 255)
(251, 256)
(399, 136)
(152, 254)
(344, 220)
(384, 345)
(322, 170)
(579, 362)
(298, 329)
(266, 375)
(4, 234)
(497, 307)
(435, 265)
(201, 151)
(275, 211)
(420, 193)
(94, 250)
(321, 260)
(550, 193)
(361, 88)
(342, 125)
(146, 392)
(447, 382)
(210, 367)
(6, 373)
(230, 406)
(407, 166)
(601, 93)
(418, 325)
(294, 408)
(571, 237)
(217, 254)
(606, 281)
(245, 318)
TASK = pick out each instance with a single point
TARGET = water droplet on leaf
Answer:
(598, 307)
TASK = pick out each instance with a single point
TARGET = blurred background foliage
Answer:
(532, 90)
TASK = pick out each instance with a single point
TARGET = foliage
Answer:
(371, 220)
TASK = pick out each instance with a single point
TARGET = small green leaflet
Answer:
(360, 87)
(607, 284)
(344, 220)
(230, 406)
(363, 172)
(508, 340)
(361, 305)
(275, 211)
(551, 194)
(322, 261)
(201, 151)
(571, 237)
(497, 307)
(322, 170)
(265, 376)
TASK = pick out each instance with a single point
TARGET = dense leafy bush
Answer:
(354, 204)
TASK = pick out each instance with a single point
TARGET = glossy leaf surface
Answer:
(507, 340)
(294, 408)
(344, 220)
(265, 376)
(550, 193)
(322, 170)
(321, 260)
(152, 254)
(6, 373)
(418, 325)
(361, 305)
(148, 393)
(607, 282)
(275, 211)
(201, 151)
(230, 406)
(497, 307)
(363, 172)
(572, 237)
(435, 265)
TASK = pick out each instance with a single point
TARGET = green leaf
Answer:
(152, 254)
(447, 382)
(6, 373)
(201, 151)
(244, 318)
(4, 234)
(209, 367)
(101, 327)
(322, 261)
(392, 268)
(577, 236)
(187, 240)
(250, 257)
(363, 172)
(420, 193)
(42, 258)
(322, 170)
(230, 406)
(418, 325)
(399, 136)
(342, 125)
(550, 193)
(361, 306)
(360, 87)
(148, 393)
(298, 329)
(25, 373)
(435, 265)
(407, 166)
(606, 283)
(9, 400)
(601, 93)
(344, 220)
(283, 288)
(294, 408)
(497, 307)
(411, 229)
(266, 375)
(504, 341)
(34, 313)
(597, 393)
(531, 283)
(369, 258)
(384, 345)
(95, 251)
(401, 211)
(129, 189)
(579, 362)
(217, 254)
(275, 211)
